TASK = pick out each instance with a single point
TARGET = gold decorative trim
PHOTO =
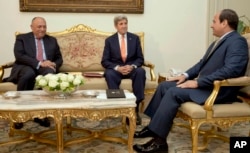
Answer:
(85, 6)
(58, 115)
(194, 125)
(85, 28)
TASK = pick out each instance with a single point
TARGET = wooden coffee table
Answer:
(37, 103)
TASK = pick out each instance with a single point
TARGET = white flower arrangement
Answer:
(59, 82)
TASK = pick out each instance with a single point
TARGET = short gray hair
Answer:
(119, 18)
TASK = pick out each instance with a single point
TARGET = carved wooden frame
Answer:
(85, 6)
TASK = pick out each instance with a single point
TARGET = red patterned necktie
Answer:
(39, 50)
(123, 49)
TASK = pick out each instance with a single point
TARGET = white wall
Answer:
(176, 31)
(240, 6)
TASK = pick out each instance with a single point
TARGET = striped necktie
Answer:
(39, 56)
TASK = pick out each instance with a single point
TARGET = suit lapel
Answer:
(214, 49)
(129, 41)
(117, 46)
(32, 43)
(46, 50)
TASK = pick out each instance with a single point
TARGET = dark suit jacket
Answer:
(25, 53)
(112, 54)
(228, 60)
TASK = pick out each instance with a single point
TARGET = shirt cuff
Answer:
(186, 75)
(38, 65)
(134, 66)
(116, 67)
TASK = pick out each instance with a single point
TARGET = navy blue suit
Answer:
(25, 68)
(228, 60)
(112, 57)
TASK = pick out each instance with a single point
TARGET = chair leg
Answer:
(194, 131)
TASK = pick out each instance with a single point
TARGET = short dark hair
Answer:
(231, 17)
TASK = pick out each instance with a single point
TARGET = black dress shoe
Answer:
(156, 145)
(145, 132)
(43, 122)
(18, 125)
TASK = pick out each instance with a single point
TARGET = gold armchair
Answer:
(6, 86)
(217, 115)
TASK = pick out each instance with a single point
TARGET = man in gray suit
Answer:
(36, 54)
(227, 58)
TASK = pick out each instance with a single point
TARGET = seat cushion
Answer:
(7, 86)
(235, 109)
(100, 83)
(90, 83)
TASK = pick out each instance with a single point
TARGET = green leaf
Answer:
(240, 27)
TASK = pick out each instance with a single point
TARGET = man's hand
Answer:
(125, 70)
(188, 84)
(49, 64)
(180, 79)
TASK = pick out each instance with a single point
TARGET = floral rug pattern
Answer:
(179, 140)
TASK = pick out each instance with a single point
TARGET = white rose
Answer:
(42, 82)
(77, 81)
(39, 77)
(53, 83)
(53, 78)
(71, 78)
(47, 76)
(80, 77)
(64, 85)
(63, 77)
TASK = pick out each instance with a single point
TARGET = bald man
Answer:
(35, 54)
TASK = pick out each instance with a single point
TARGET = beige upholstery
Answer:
(218, 115)
(82, 49)
(220, 110)
(246, 90)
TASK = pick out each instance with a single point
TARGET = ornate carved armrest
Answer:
(4, 66)
(240, 81)
(151, 69)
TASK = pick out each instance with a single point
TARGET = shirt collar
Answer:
(120, 36)
(225, 35)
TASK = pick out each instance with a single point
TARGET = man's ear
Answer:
(224, 23)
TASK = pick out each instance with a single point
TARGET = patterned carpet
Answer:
(179, 139)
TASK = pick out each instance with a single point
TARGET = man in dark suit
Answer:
(36, 54)
(226, 59)
(123, 58)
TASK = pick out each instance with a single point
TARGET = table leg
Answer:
(59, 132)
(132, 126)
